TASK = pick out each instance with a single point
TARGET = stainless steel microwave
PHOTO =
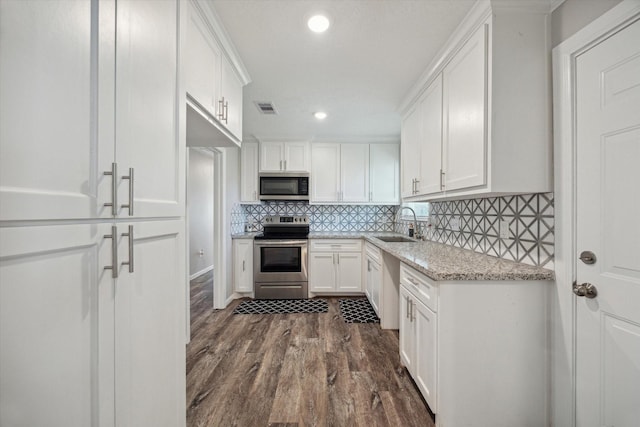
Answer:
(284, 186)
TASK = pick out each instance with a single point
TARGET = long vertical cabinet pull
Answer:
(129, 234)
(130, 204)
(407, 316)
(113, 173)
(114, 251)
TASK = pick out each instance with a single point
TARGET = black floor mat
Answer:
(282, 306)
(358, 311)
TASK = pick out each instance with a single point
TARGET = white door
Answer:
(231, 90)
(325, 172)
(52, 153)
(322, 272)
(376, 285)
(296, 156)
(149, 329)
(608, 208)
(354, 172)
(426, 352)
(410, 148)
(407, 330)
(384, 173)
(464, 82)
(243, 265)
(349, 266)
(147, 110)
(271, 156)
(249, 172)
(56, 326)
(431, 158)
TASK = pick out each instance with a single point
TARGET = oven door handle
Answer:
(280, 242)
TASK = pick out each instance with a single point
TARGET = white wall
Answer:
(200, 211)
(573, 15)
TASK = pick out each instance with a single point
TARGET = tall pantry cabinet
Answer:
(91, 214)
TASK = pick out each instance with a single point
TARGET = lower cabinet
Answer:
(88, 347)
(464, 343)
(243, 265)
(374, 279)
(335, 266)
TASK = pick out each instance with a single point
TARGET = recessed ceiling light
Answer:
(320, 115)
(318, 23)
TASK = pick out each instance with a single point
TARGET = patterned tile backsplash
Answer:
(530, 218)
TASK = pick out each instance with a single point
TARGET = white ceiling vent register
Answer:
(266, 107)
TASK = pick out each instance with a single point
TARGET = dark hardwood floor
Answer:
(294, 370)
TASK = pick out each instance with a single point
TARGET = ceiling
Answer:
(357, 72)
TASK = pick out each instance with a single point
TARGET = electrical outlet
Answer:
(455, 223)
(505, 230)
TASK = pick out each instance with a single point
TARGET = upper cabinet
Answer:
(249, 173)
(478, 122)
(113, 101)
(214, 79)
(355, 173)
(278, 156)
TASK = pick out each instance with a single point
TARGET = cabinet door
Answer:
(56, 326)
(149, 326)
(464, 94)
(271, 156)
(384, 173)
(410, 150)
(243, 265)
(147, 110)
(368, 281)
(203, 59)
(407, 330)
(426, 352)
(354, 173)
(376, 285)
(231, 90)
(322, 272)
(325, 172)
(249, 172)
(52, 151)
(431, 152)
(296, 157)
(349, 276)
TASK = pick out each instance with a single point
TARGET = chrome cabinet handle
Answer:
(370, 196)
(243, 265)
(280, 164)
(113, 173)
(129, 234)
(285, 165)
(368, 265)
(221, 109)
(413, 311)
(226, 112)
(417, 182)
(130, 204)
(114, 251)
(407, 308)
(442, 173)
(338, 258)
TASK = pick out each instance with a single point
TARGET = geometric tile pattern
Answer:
(282, 306)
(530, 218)
(326, 217)
(357, 311)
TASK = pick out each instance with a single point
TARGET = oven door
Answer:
(280, 261)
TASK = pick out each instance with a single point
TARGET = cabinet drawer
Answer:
(423, 287)
(373, 252)
(336, 245)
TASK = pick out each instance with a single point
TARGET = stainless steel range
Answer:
(280, 258)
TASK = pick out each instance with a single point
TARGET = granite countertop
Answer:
(246, 235)
(442, 262)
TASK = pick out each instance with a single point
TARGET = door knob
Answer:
(585, 290)
(588, 257)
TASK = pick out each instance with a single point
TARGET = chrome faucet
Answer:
(417, 234)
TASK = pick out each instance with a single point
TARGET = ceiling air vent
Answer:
(266, 107)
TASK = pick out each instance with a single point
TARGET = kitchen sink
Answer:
(396, 239)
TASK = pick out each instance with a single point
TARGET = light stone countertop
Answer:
(442, 262)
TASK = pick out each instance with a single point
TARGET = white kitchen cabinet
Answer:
(340, 173)
(116, 109)
(422, 144)
(213, 83)
(464, 88)
(335, 266)
(458, 336)
(495, 67)
(108, 340)
(249, 173)
(290, 156)
(384, 173)
(374, 283)
(109, 95)
(243, 265)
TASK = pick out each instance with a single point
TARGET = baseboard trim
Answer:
(201, 272)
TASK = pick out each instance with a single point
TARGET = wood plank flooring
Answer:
(294, 370)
